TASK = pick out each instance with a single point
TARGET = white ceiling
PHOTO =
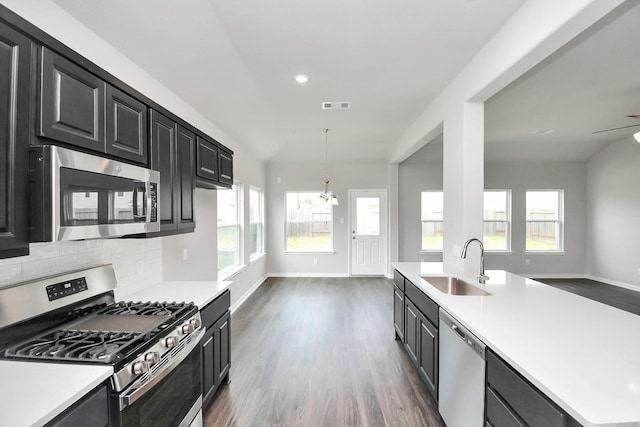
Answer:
(234, 61)
(590, 84)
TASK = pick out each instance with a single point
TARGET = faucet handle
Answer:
(483, 278)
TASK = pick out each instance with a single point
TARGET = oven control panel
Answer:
(64, 289)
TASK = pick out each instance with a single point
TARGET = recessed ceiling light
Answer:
(301, 78)
(637, 136)
(543, 131)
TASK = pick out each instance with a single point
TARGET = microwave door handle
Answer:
(139, 187)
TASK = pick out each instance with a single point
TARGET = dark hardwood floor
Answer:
(320, 352)
(615, 296)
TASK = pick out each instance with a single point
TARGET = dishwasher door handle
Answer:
(459, 332)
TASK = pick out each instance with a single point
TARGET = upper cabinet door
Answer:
(164, 133)
(71, 103)
(126, 126)
(225, 168)
(186, 179)
(15, 71)
(207, 162)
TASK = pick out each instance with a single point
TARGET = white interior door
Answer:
(368, 223)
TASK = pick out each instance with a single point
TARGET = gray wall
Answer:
(282, 177)
(420, 172)
(521, 176)
(613, 226)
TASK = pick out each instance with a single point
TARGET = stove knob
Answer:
(140, 367)
(152, 357)
(187, 328)
(171, 341)
(196, 323)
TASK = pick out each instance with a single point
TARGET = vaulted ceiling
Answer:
(234, 61)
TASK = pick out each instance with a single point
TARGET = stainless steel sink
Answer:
(454, 286)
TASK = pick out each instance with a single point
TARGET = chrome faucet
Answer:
(482, 278)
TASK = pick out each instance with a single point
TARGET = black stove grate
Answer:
(105, 347)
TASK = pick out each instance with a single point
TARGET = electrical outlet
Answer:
(457, 250)
(527, 261)
(185, 254)
(638, 271)
(315, 260)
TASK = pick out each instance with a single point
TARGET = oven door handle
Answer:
(137, 393)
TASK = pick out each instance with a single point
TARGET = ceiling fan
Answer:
(633, 116)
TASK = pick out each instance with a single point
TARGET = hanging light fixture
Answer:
(327, 196)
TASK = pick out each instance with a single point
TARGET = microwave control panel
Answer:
(153, 190)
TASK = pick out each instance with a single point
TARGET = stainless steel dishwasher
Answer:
(461, 383)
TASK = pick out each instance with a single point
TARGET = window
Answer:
(544, 220)
(229, 228)
(256, 222)
(432, 207)
(497, 220)
(309, 223)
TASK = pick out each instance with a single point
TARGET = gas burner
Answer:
(146, 308)
(103, 351)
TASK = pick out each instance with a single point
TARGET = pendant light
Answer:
(327, 196)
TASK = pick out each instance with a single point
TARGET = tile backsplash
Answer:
(137, 262)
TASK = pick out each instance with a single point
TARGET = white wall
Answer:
(309, 177)
(534, 32)
(522, 176)
(156, 259)
(613, 224)
(420, 172)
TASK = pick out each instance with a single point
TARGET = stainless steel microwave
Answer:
(77, 196)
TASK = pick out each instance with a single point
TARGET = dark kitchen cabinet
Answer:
(511, 400)
(420, 331)
(216, 346)
(126, 126)
(15, 78)
(90, 410)
(207, 163)
(72, 102)
(172, 153)
(81, 109)
(398, 305)
(225, 167)
(214, 165)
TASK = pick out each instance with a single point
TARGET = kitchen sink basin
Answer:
(454, 286)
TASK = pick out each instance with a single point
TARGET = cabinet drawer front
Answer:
(422, 302)
(398, 279)
(532, 407)
(498, 413)
(215, 309)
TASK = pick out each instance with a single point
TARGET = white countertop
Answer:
(33, 393)
(200, 293)
(582, 354)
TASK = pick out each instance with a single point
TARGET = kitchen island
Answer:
(580, 353)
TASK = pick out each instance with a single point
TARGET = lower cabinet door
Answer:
(398, 312)
(411, 330)
(223, 349)
(428, 366)
(208, 366)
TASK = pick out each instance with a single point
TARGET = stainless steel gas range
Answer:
(153, 347)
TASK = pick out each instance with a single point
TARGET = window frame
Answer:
(434, 221)
(559, 222)
(508, 220)
(315, 194)
(231, 269)
(260, 250)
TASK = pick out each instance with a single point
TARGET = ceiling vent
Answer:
(336, 105)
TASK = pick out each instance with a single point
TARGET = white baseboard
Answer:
(308, 275)
(552, 276)
(247, 294)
